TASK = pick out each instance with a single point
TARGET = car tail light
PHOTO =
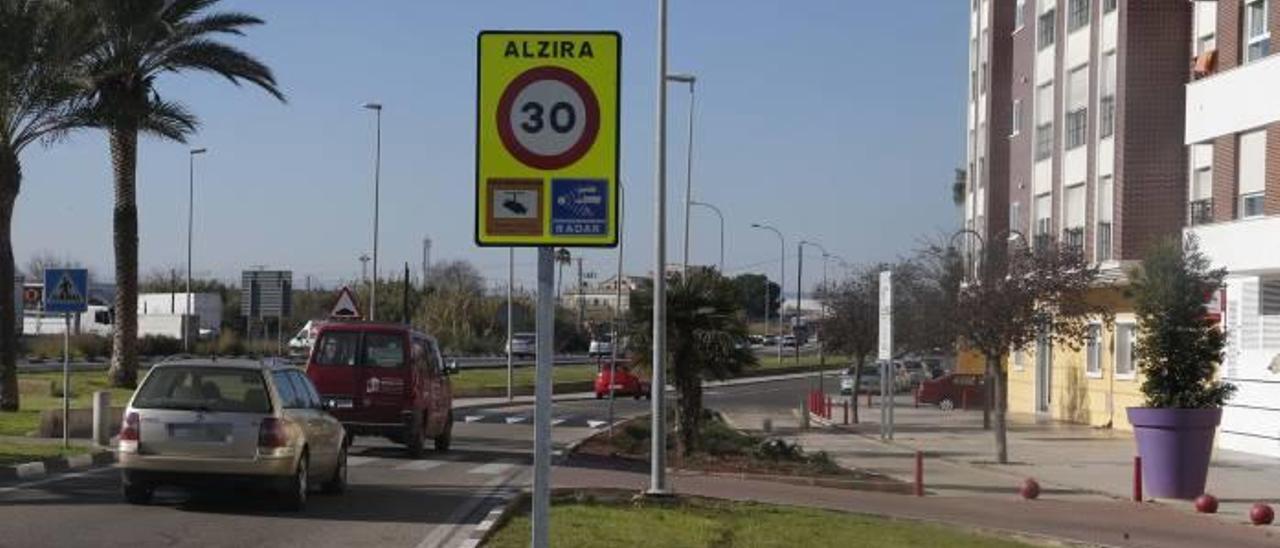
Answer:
(131, 429)
(271, 434)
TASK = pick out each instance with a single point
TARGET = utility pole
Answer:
(426, 261)
(377, 181)
(582, 305)
(795, 322)
(364, 268)
(658, 430)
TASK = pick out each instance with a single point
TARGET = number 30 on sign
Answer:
(547, 138)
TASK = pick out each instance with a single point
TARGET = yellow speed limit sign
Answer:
(547, 138)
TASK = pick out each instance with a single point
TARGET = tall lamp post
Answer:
(191, 201)
(822, 356)
(377, 176)
(658, 437)
(782, 283)
(688, 180)
(719, 214)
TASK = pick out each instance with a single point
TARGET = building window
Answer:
(1252, 172)
(1077, 14)
(1251, 205)
(1045, 33)
(1200, 212)
(1073, 218)
(1107, 117)
(1044, 221)
(1017, 118)
(1104, 242)
(1093, 363)
(1076, 125)
(1124, 358)
(1108, 6)
(1044, 141)
(1257, 35)
(1020, 17)
(1208, 42)
(982, 78)
(1019, 360)
(1107, 91)
(1015, 216)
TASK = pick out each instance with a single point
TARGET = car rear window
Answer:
(384, 350)
(337, 348)
(199, 388)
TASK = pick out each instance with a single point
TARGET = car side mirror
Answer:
(451, 368)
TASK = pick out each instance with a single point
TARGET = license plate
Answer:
(200, 432)
(618, 387)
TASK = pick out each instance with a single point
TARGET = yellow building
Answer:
(1090, 385)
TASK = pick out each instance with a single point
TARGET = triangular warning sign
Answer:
(65, 291)
(346, 307)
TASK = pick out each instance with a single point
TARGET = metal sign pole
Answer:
(657, 387)
(66, 383)
(511, 282)
(542, 399)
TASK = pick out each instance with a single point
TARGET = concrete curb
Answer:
(47, 467)
(496, 518)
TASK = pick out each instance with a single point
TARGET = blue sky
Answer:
(838, 121)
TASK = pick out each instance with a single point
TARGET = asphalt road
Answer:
(392, 501)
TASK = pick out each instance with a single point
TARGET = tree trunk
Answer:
(690, 414)
(997, 390)
(857, 383)
(124, 339)
(987, 398)
(10, 183)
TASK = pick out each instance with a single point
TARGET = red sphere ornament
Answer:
(1207, 504)
(1261, 514)
(1030, 489)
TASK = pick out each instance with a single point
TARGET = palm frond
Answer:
(170, 120)
(221, 59)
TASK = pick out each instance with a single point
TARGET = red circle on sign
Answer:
(591, 124)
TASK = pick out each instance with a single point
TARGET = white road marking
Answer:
(513, 420)
(557, 422)
(55, 479)
(596, 424)
(472, 418)
(420, 465)
(359, 461)
(491, 468)
(80, 461)
(442, 533)
(30, 470)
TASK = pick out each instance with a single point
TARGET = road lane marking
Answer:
(491, 468)
(420, 465)
(30, 470)
(473, 418)
(55, 479)
(443, 532)
(596, 424)
(359, 461)
(513, 420)
(557, 422)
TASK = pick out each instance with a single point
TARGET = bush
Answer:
(158, 345)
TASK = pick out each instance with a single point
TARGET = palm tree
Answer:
(706, 330)
(137, 41)
(37, 46)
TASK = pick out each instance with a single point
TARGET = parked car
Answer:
(869, 383)
(911, 373)
(952, 390)
(385, 380)
(523, 345)
(789, 341)
(601, 345)
(625, 383)
(209, 423)
(756, 340)
(770, 340)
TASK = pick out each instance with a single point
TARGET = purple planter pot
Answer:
(1175, 446)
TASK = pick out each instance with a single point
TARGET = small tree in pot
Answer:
(1179, 349)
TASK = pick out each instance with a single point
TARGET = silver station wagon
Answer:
(212, 423)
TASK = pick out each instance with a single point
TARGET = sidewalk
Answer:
(1108, 523)
(1071, 462)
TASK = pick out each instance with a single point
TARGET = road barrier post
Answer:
(964, 400)
(804, 414)
(869, 404)
(919, 487)
(1137, 479)
(101, 418)
(846, 412)
(828, 407)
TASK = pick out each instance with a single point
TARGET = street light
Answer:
(377, 175)
(688, 180)
(658, 431)
(782, 246)
(719, 214)
(822, 355)
(191, 201)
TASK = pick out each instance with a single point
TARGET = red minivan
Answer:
(384, 380)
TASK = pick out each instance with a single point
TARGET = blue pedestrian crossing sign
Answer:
(66, 290)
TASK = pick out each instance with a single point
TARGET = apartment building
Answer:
(1233, 208)
(1089, 152)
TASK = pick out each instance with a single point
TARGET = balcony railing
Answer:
(1200, 212)
(1073, 240)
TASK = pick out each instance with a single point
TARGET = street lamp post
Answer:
(782, 283)
(377, 176)
(658, 438)
(822, 355)
(688, 181)
(191, 201)
(719, 214)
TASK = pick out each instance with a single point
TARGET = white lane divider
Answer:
(440, 534)
(420, 465)
(491, 468)
(557, 422)
(596, 424)
(516, 419)
(472, 418)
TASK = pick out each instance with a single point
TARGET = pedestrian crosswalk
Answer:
(455, 463)
(526, 418)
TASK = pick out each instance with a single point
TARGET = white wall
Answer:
(1243, 247)
(1237, 100)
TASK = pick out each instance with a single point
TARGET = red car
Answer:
(952, 390)
(627, 383)
(384, 380)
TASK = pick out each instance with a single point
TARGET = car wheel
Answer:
(338, 483)
(138, 493)
(295, 493)
(445, 439)
(415, 438)
(946, 404)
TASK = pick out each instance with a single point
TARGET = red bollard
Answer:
(828, 407)
(919, 473)
(1137, 479)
